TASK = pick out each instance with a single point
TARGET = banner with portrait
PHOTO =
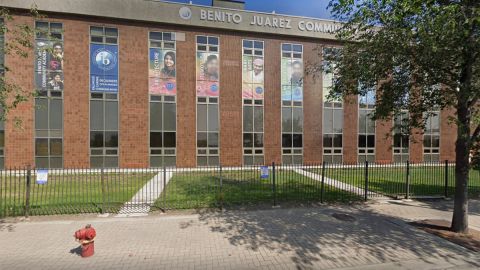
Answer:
(208, 74)
(162, 78)
(103, 68)
(48, 65)
(253, 77)
(292, 79)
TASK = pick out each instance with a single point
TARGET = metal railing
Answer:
(127, 191)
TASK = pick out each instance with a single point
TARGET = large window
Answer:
(401, 138)
(431, 138)
(49, 101)
(366, 127)
(208, 89)
(253, 93)
(104, 135)
(332, 118)
(162, 89)
(292, 103)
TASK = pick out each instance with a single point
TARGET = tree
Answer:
(425, 50)
(15, 39)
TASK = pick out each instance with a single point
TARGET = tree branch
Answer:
(475, 134)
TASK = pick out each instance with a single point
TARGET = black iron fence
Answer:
(130, 191)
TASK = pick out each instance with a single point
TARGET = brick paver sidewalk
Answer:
(425, 209)
(297, 238)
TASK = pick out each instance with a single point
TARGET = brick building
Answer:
(142, 83)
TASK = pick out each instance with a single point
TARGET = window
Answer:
(431, 138)
(208, 90)
(163, 106)
(332, 119)
(292, 103)
(401, 138)
(104, 135)
(252, 94)
(366, 127)
(49, 100)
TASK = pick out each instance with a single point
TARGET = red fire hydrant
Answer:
(86, 238)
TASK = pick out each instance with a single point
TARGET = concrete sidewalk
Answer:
(298, 238)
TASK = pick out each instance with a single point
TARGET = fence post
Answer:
(322, 186)
(221, 185)
(407, 181)
(164, 187)
(446, 179)
(274, 188)
(102, 177)
(27, 194)
(366, 180)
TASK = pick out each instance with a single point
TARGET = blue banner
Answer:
(103, 68)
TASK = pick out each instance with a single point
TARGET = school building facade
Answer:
(136, 83)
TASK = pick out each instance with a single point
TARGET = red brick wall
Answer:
(231, 138)
(19, 147)
(448, 135)
(383, 142)
(273, 106)
(186, 102)
(312, 109)
(350, 130)
(416, 146)
(134, 108)
(76, 106)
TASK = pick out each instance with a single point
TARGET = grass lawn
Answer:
(391, 180)
(203, 189)
(69, 194)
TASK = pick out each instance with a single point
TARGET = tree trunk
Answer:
(462, 166)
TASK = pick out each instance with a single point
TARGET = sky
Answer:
(306, 8)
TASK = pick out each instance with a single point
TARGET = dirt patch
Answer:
(441, 228)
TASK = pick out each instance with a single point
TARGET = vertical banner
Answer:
(103, 68)
(253, 77)
(48, 65)
(162, 78)
(292, 79)
(208, 74)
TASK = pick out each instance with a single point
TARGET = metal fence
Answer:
(130, 191)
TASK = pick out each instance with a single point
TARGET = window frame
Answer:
(292, 152)
(164, 153)
(254, 153)
(104, 97)
(401, 153)
(332, 154)
(49, 95)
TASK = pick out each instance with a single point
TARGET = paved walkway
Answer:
(297, 238)
(338, 184)
(141, 202)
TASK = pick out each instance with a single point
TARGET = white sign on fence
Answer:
(42, 177)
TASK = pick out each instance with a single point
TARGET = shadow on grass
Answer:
(313, 237)
(186, 191)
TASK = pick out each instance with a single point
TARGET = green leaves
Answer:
(408, 45)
